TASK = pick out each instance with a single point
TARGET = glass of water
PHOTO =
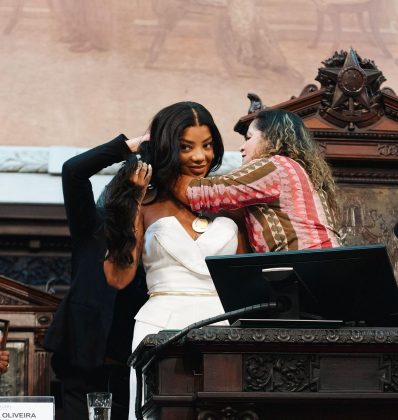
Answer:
(99, 405)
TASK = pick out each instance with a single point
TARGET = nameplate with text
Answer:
(43, 410)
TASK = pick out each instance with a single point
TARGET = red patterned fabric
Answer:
(283, 210)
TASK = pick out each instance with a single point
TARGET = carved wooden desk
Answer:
(231, 373)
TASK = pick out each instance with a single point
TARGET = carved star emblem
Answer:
(351, 81)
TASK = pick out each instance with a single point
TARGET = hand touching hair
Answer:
(123, 198)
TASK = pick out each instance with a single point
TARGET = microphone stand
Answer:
(150, 356)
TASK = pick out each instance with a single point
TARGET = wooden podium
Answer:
(220, 373)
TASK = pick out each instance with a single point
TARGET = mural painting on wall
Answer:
(79, 71)
(369, 215)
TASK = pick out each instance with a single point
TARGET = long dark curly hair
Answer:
(121, 202)
(287, 136)
(163, 153)
(166, 130)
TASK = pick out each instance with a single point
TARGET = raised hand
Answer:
(134, 144)
(141, 177)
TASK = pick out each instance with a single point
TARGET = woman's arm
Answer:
(119, 277)
(255, 183)
(118, 273)
(78, 193)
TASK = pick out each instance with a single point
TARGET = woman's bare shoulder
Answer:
(156, 210)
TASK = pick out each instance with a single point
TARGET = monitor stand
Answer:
(283, 290)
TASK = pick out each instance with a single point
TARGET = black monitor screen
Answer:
(346, 283)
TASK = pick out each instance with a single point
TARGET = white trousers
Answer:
(179, 312)
(141, 330)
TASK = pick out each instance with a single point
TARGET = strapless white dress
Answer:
(175, 263)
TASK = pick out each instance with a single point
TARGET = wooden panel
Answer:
(317, 123)
(175, 378)
(385, 124)
(222, 372)
(345, 374)
(358, 151)
(172, 413)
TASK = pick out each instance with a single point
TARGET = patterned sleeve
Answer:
(254, 183)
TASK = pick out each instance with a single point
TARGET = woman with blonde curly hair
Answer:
(284, 186)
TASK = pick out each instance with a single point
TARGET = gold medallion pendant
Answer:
(200, 224)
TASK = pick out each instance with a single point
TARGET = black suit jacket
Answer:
(94, 320)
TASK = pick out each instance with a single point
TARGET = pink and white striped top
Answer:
(283, 211)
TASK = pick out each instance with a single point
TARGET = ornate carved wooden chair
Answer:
(355, 122)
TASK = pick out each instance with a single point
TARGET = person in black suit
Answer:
(92, 330)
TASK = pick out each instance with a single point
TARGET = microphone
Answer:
(396, 230)
(151, 354)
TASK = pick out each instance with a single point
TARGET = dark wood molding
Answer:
(41, 220)
(24, 295)
(346, 336)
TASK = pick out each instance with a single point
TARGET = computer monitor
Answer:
(346, 283)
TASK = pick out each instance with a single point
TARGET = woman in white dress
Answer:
(172, 241)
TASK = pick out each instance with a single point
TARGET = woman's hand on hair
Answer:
(4, 361)
(141, 177)
(134, 144)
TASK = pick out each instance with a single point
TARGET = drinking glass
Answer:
(99, 405)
